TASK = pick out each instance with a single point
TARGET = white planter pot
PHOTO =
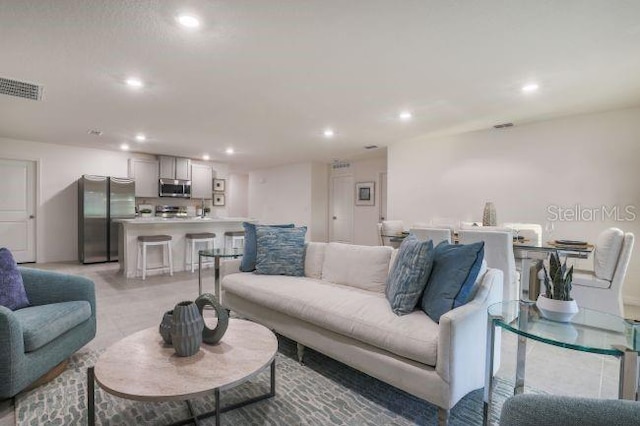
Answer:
(557, 310)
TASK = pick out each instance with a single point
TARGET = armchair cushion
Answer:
(608, 247)
(42, 324)
(12, 292)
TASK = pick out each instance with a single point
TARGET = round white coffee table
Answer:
(141, 367)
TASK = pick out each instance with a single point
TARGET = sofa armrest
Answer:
(45, 287)
(11, 342)
(229, 266)
(462, 337)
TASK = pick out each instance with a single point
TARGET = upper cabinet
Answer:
(145, 173)
(201, 181)
(175, 168)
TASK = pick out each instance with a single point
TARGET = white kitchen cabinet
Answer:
(175, 168)
(145, 173)
(201, 181)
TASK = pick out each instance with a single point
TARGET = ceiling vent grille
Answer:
(20, 89)
(340, 164)
(503, 125)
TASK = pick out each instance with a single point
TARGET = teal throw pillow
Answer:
(409, 274)
(454, 266)
(280, 251)
(248, 262)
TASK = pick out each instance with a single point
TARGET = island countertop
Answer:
(182, 220)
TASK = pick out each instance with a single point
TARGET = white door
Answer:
(342, 199)
(17, 209)
(383, 196)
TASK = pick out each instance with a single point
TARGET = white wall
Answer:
(590, 161)
(285, 195)
(59, 167)
(365, 218)
(238, 195)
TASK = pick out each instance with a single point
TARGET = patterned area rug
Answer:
(320, 392)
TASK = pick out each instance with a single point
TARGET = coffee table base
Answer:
(195, 418)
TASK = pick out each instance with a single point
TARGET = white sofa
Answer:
(339, 309)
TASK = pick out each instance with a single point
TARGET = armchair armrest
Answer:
(45, 287)
(11, 339)
(462, 338)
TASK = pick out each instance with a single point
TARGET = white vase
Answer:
(556, 310)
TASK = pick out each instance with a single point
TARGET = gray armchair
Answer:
(60, 320)
(552, 410)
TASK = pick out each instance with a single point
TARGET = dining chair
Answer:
(529, 231)
(436, 235)
(389, 229)
(498, 252)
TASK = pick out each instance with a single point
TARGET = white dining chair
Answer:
(436, 235)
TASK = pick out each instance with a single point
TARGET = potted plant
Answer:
(556, 303)
(145, 212)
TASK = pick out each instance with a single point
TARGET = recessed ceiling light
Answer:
(531, 87)
(205, 157)
(140, 137)
(124, 147)
(405, 116)
(329, 133)
(134, 82)
(229, 151)
(188, 21)
(95, 132)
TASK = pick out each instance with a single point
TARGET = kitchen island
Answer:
(177, 228)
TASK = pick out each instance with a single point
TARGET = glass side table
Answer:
(217, 254)
(588, 331)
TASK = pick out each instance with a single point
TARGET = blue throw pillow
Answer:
(280, 250)
(409, 274)
(453, 267)
(12, 292)
(248, 262)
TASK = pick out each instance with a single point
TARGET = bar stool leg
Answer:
(144, 261)
(170, 258)
(193, 254)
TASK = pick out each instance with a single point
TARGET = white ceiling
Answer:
(267, 76)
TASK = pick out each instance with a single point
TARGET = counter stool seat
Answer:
(190, 251)
(234, 239)
(145, 241)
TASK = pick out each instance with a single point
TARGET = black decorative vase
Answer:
(165, 327)
(213, 336)
(186, 329)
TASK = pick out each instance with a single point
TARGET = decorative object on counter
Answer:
(146, 212)
(210, 336)
(218, 199)
(365, 194)
(165, 327)
(556, 303)
(186, 329)
(489, 217)
(218, 185)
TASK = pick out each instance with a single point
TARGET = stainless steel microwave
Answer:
(174, 188)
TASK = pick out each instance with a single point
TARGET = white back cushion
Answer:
(313, 260)
(608, 248)
(365, 267)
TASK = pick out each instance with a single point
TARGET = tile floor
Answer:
(128, 305)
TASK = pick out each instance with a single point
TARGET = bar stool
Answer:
(192, 239)
(145, 241)
(234, 239)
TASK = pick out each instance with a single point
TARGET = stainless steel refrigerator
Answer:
(102, 199)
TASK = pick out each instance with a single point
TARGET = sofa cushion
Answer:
(248, 262)
(12, 292)
(605, 258)
(365, 267)
(409, 274)
(353, 312)
(313, 260)
(453, 267)
(280, 250)
(43, 324)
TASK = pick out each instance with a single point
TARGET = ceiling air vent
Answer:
(20, 89)
(503, 125)
(371, 146)
(337, 164)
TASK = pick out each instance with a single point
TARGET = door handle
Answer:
(335, 217)
(31, 216)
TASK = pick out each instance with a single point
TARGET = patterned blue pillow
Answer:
(248, 262)
(409, 274)
(280, 250)
(12, 292)
(453, 267)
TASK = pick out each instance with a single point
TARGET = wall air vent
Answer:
(340, 164)
(20, 89)
(371, 147)
(503, 125)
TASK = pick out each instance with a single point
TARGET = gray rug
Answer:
(320, 392)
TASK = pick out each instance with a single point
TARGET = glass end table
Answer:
(216, 254)
(588, 331)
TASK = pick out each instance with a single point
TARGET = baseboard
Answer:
(629, 300)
